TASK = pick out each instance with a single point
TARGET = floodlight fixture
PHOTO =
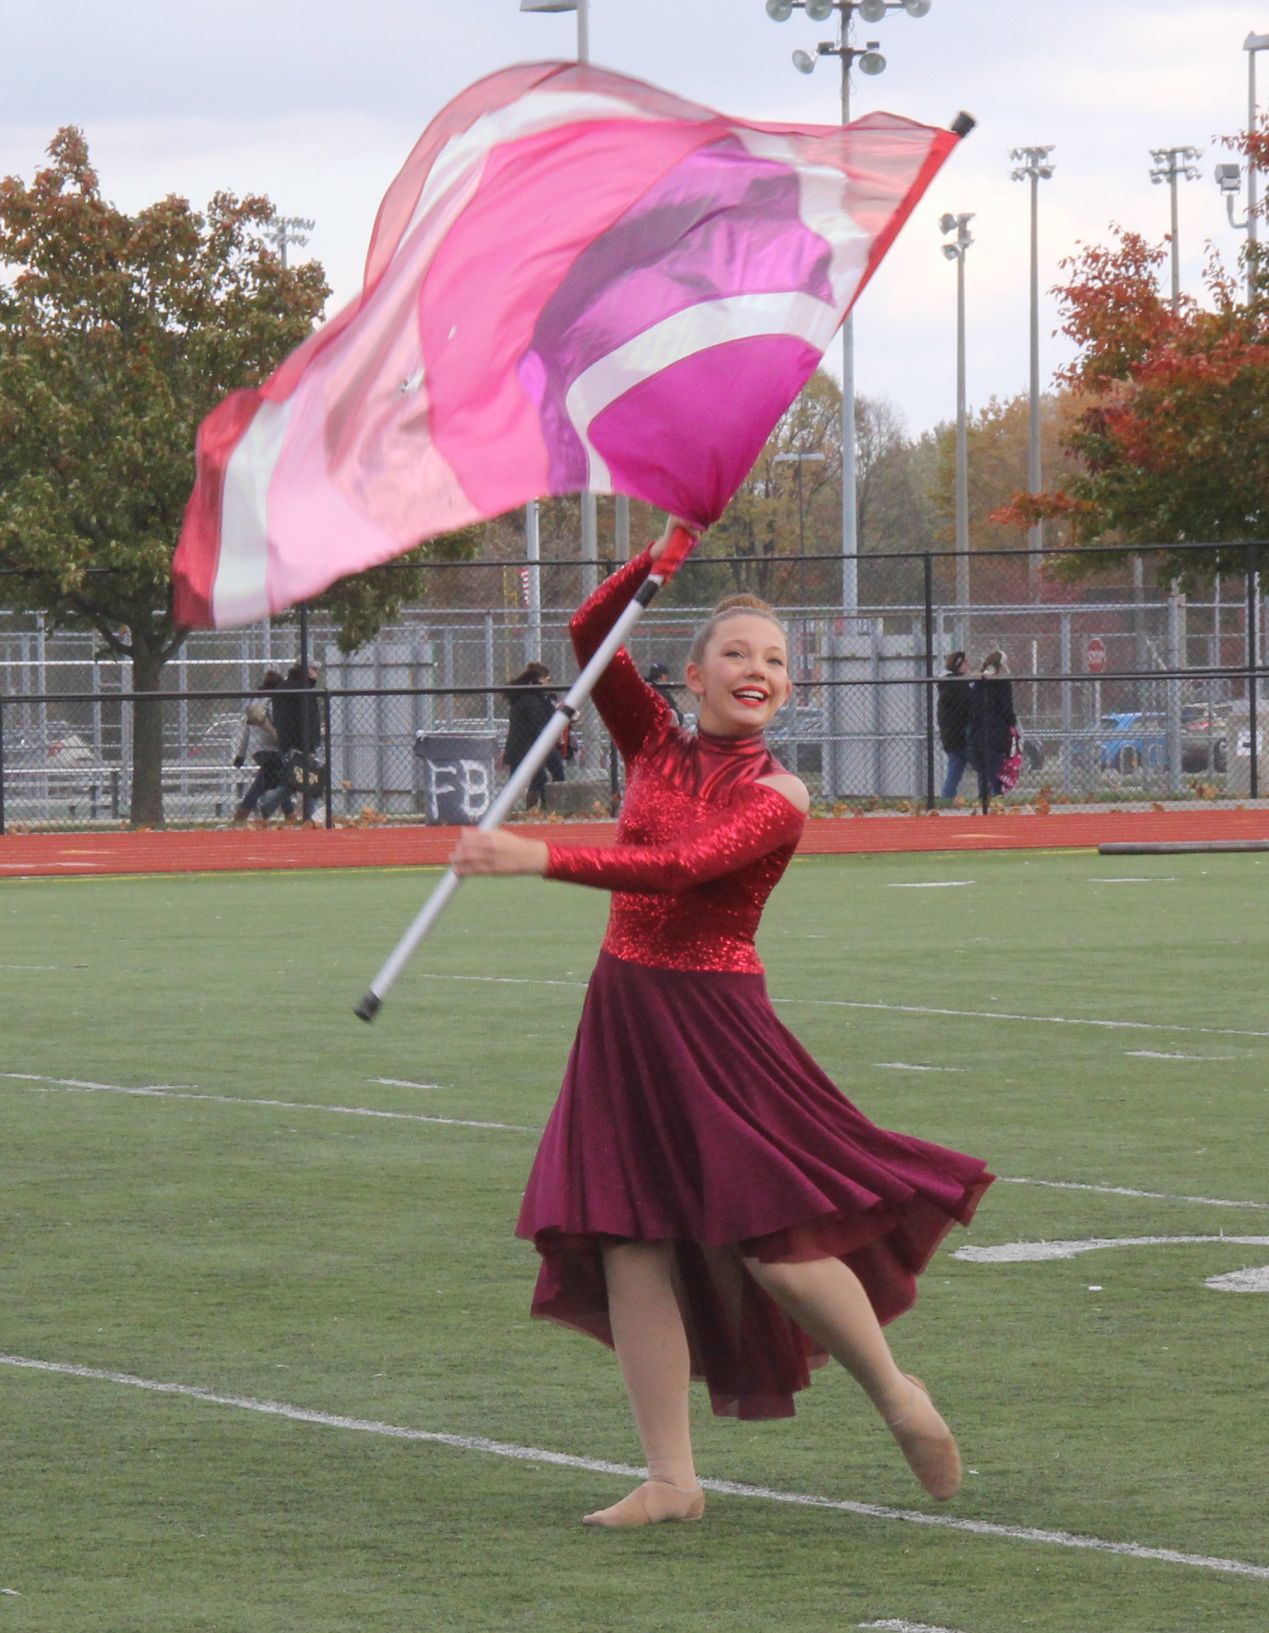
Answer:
(916, 8)
(779, 11)
(548, 5)
(947, 223)
(872, 11)
(871, 61)
(819, 11)
(804, 62)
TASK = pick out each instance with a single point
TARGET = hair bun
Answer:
(744, 602)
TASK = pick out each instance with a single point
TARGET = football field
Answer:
(267, 1363)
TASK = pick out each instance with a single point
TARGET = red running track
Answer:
(237, 850)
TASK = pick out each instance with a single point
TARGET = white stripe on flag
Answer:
(240, 590)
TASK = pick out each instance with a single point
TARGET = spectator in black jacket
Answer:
(529, 707)
(953, 720)
(659, 676)
(992, 723)
(297, 719)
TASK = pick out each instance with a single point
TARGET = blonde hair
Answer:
(729, 607)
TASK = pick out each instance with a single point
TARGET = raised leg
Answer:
(652, 1351)
(827, 1300)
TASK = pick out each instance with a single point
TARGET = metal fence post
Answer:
(927, 566)
(1253, 647)
(330, 758)
(1, 767)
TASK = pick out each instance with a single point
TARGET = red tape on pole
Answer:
(680, 547)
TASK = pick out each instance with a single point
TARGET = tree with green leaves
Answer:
(118, 334)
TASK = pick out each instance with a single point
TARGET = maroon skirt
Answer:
(690, 1114)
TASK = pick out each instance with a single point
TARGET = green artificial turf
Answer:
(365, 1268)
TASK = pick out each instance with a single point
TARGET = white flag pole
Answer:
(680, 546)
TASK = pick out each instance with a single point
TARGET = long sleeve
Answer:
(757, 822)
(628, 705)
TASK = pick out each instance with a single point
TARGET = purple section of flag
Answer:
(685, 437)
(721, 223)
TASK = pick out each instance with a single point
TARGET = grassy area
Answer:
(364, 1267)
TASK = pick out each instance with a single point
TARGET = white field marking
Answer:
(182, 1091)
(907, 1627)
(898, 1009)
(1037, 1252)
(1241, 1281)
(727, 1488)
(1171, 1054)
(403, 1083)
(1137, 879)
(43, 968)
(164, 1092)
(907, 1066)
(1125, 1190)
(929, 884)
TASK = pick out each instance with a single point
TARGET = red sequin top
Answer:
(701, 844)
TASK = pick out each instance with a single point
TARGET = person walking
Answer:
(991, 725)
(704, 1198)
(297, 719)
(258, 742)
(952, 716)
(529, 707)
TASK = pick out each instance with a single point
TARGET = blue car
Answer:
(1128, 741)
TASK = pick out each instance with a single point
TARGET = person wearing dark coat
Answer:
(991, 725)
(529, 707)
(952, 716)
(297, 720)
(659, 676)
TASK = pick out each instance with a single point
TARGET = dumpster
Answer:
(457, 775)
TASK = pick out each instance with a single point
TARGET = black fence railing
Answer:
(1125, 686)
(864, 732)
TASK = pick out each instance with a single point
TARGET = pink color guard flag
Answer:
(576, 282)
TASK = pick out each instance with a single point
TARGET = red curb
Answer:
(239, 850)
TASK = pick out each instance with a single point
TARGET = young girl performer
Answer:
(704, 1198)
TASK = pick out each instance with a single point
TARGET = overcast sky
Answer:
(317, 105)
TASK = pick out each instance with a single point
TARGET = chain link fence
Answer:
(1125, 689)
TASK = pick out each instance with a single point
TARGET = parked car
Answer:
(1123, 741)
(1204, 738)
(57, 747)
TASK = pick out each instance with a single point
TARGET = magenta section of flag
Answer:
(577, 281)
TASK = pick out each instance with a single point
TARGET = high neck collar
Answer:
(748, 747)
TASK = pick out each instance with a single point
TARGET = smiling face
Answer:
(742, 677)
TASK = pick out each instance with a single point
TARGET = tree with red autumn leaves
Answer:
(1172, 441)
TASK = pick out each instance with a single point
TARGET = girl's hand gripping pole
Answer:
(678, 548)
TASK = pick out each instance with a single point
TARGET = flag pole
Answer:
(680, 546)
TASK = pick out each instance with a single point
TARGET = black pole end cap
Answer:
(963, 124)
(368, 1008)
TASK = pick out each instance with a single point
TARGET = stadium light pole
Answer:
(590, 514)
(1172, 164)
(955, 251)
(799, 460)
(870, 61)
(1033, 166)
(284, 230)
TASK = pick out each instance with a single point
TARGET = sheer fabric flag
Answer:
(577, 281)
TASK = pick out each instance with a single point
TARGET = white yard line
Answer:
(1043, 1252)
(900, 1009)
(929, 884)
(174, 1091)
(908, 1066)
(729, 1488)
(164, 1092)
(1171, 1054)
(403, 1083)
(1126, 1190)
(906, 1627)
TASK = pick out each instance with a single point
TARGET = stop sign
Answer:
(1096, 655)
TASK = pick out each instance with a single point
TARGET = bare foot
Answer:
(928, 1444)
(650, 1504)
